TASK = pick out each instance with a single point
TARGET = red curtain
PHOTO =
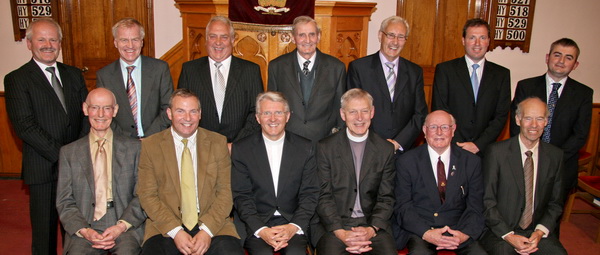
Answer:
(272, 12)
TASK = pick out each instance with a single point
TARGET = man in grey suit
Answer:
(97, 177)
(523, 179)
(227, 86)
(356, 168)
(43, 102)
(142, 85)
(312, 82)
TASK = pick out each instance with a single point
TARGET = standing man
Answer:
(43, 102)
(569, 103)
(312, 82)
(356, 168)
(185, 186)
(141, 84)
(439, 193)
(523, 181)
(475, 91)
(274, 182)
(227, 85)
(97, 175)
(396, 85)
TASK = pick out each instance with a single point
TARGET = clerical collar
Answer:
(355, 138)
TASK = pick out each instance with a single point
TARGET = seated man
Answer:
(274, 181)
(356, 168)
(439, 193)
(519, 173)
(185, 186)
(96, 180)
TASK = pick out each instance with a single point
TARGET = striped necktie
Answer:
(391, 79)
(552, 100)
(132, 96)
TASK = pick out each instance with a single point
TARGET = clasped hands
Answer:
(278, 236)
(357, 240)
(106, 240)
(445, 242)
(524, 245)
(188, 245)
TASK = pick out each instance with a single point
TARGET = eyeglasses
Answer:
(393, 36)
(276, 113)
(444, 128)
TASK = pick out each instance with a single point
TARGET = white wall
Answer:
(553, 19)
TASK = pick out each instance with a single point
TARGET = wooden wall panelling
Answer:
(10, 145)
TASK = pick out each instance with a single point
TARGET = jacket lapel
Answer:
(39, 78)
(401, 78)
(462, 72)
(455, 169)
(262, 158)
(168, 151)
(543, 164)
(516, 165)
(291, 73)
(287, 163)
(203, 146)
(120, 91)
(86, 163)
(379, 76)
(428, 178)
(148, 82)
(344, 153)
(232, 81)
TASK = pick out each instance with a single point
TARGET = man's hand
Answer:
(469, 146)
(96, 239)
(396, 144)
(356, 240)
(522, 244)
(113, 232)
(229, 147)
(268, 235)
(462, 237)
(184, 242)
(201, 242)
(436, 237)
(284, 234)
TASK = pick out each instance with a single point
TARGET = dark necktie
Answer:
(305, 67)
(527, 215)
(551, 106)
(132, 96)
(441, 173)
(58, 89)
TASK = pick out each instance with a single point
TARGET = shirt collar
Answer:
(271, 142)
(137, 63)
(43, 66)
(524, 149)
(225, 62)
(177, 138)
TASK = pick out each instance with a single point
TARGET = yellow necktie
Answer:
(100, 180)
(188, 189)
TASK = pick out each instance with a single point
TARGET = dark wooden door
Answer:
(87, 36)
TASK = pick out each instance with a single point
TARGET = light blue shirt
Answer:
(137, 79)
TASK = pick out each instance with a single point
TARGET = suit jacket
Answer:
(317, 119)
(338, 181)
(570, 122)
(244, 83)
(252, 182)
(504, 197)
(39, 119)
(403, 118)
(75, 191)
(157, 87)
(481, 122)
(418, 207)
(159, 187)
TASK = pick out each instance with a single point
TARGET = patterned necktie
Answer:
(391, 79)
(132, 95)
(100, 180)
(551, 105)
(220, 89)
(475, 81)
(58, 89)
(305, 67)
(188, 189)
(527, 215)
(441, 173)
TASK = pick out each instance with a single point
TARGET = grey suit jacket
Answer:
(315, 120)
(339, 181)
(504, 197)
(157, 87)
(75, 191)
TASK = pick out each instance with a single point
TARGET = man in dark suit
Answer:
(97, 175)
(185, 186)
(356, 168)
(312, 82)
(227, 85)
(475, 91)
(439, 193)
(569, 121)
(396, 85)
(43, 102)
(141, 84)
(523, 197)
(274, 182)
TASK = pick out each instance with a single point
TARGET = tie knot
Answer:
(130, 69)
(556, 85)
(51, 69)
(528, 153)
(390, 65)
(218, 65)
(475, 66)
(184, 141)
(306, 63)
(101, 142)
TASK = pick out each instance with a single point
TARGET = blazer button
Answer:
(354, 190)
(305, 122)
(94, 204)
(349, 209)
(435, 214)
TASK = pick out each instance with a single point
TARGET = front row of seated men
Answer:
(174, 193)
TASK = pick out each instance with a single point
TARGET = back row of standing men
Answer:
(44, 106)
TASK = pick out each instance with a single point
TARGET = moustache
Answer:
(48, 49)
